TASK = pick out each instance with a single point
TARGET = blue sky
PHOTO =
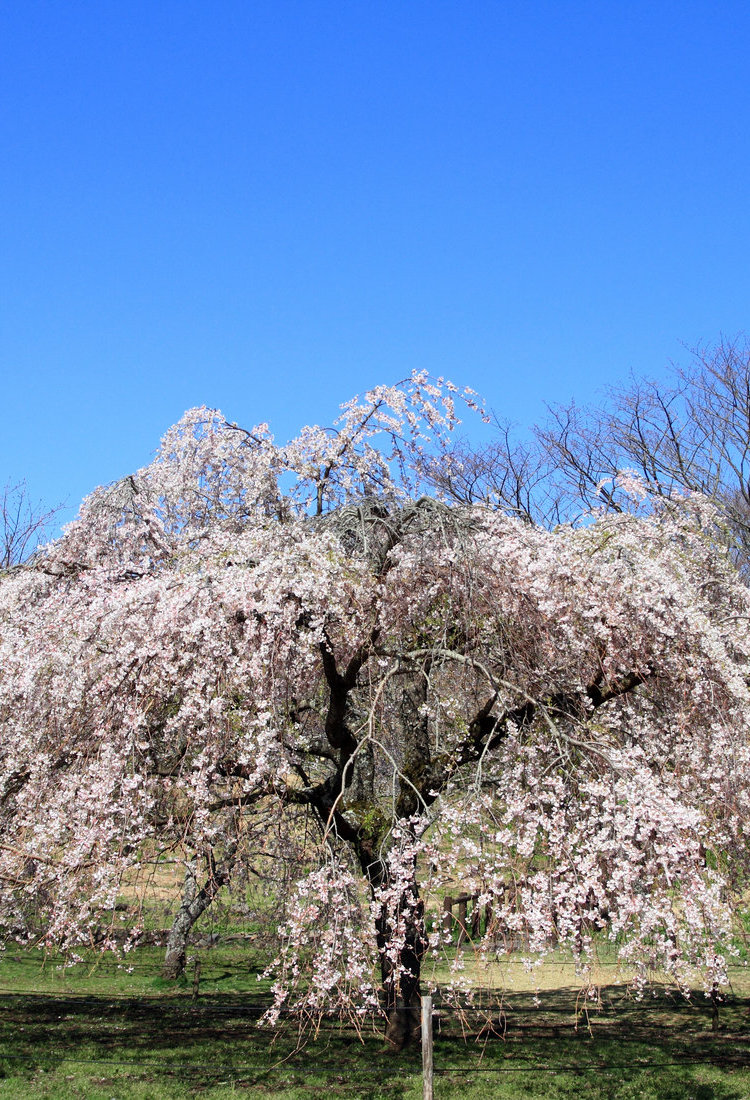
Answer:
(267, 206)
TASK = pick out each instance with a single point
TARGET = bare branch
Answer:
(22, 524)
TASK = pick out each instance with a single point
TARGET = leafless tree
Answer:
(690, 433)
(22, 524)
(510, 473)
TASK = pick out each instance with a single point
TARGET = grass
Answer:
(97, 1032)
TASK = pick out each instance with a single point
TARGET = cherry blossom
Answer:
(553, 721)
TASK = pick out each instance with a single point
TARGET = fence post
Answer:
(447, 914)
(476, 916)
(427, 1047)
(463, 932)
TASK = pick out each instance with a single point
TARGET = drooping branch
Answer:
(487, 730)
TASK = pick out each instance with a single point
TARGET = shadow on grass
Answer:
(546, 1046)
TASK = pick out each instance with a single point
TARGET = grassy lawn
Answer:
(98, 1032)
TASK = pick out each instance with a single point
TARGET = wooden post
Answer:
(427, 1073)
(476, 914)
(715, 1008)
(448, 914)
(462, 929)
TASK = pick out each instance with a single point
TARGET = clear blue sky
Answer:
(267, 206)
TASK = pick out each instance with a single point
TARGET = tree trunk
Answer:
(194, 903)
(401, 977)
(401, 990)
(401, 999)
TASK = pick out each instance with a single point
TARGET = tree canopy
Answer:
(556, 720)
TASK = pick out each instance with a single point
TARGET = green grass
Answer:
(97, 1032)
(233, 967)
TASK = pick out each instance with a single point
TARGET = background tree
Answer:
(690, 434)
(557, 720)
(514, 475)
